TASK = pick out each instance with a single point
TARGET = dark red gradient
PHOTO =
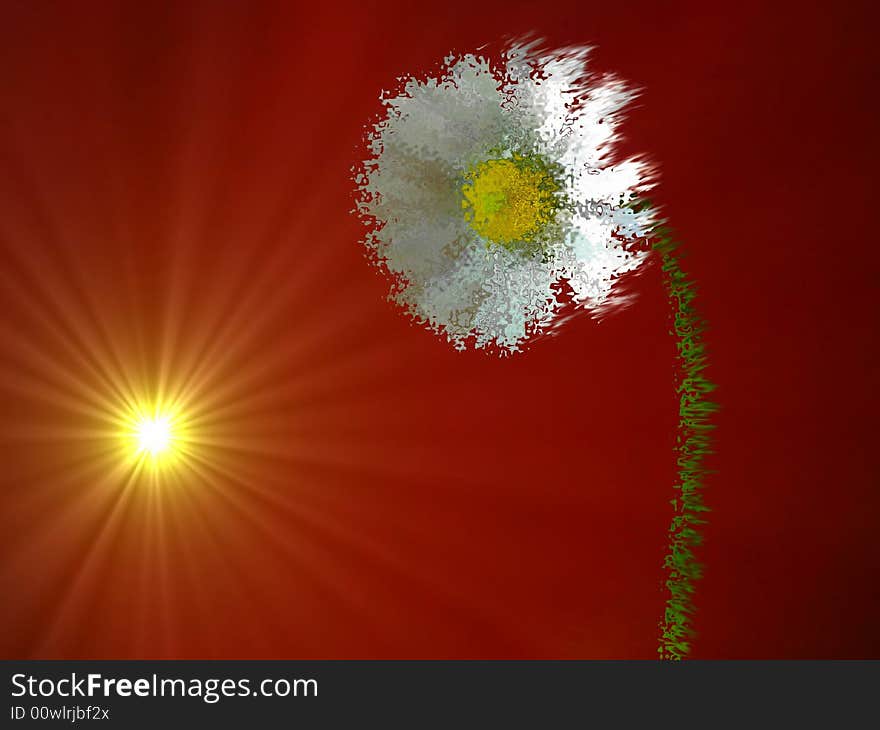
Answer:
(174, 203)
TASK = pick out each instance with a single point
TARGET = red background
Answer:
(174, 198)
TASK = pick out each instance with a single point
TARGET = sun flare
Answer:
(154, 436)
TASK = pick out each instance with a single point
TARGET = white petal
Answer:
(544, 103)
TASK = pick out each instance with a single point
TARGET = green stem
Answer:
(693, 444)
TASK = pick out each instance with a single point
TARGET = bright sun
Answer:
(154, 435)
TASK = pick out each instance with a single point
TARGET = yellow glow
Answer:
(154, 436)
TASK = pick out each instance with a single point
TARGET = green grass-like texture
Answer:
(692, 444)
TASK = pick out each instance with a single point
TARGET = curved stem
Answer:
(693, 443)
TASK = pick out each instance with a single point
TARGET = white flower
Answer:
(488, 187)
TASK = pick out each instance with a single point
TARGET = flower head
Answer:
(488, 187)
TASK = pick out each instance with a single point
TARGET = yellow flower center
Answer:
(508, 201)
